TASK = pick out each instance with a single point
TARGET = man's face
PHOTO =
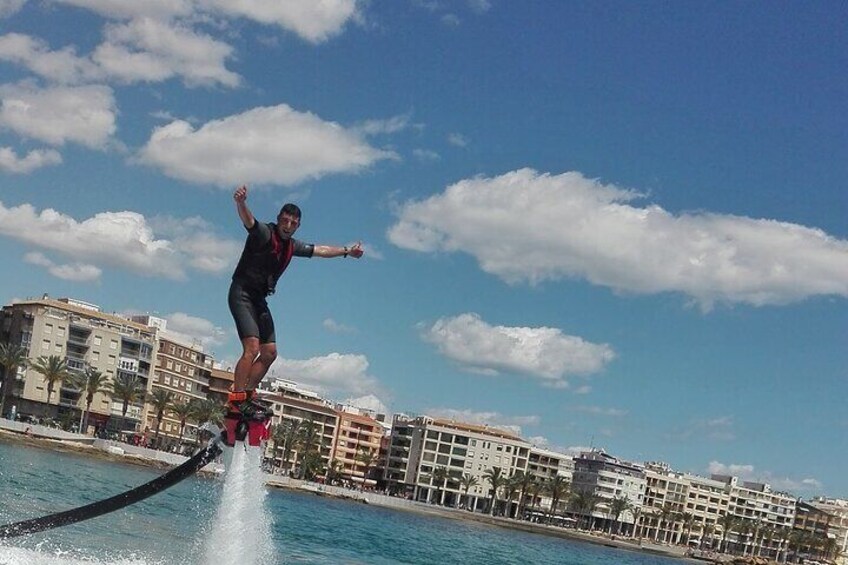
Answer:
(287, 225)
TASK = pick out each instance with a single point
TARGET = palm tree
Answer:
(182, 410)
(208, 410)
(126, 390)
(511, 486)
(291, 431)
(467, 481)
(439, 478)
(90, 382)
(160, 400)
(727, 523)
(54, 369)
(367, 458)
(524, 481)
(496, 479)
(584, 503)
(707, 531)
(557, 487)
(619, 506)
(11, 357)
(534, 489)
(307, 443)
(666, 515)
(688, 521)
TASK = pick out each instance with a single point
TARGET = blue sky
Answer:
(602, 224)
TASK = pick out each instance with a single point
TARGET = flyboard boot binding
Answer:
(247, 419)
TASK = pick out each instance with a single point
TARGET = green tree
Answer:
(666, 516)
(524, 480)
(126, 390)
(307, 443)
(584, 503)
(367, 458)
(727, 522)
(439, 477)
(557, 488)
(54, 369)
(618, 506)
(496, 479)
(11, 358)
(90, 382)
(466, 482)
(208, 410)
(182, 411)
(160, 399)
(290, 430)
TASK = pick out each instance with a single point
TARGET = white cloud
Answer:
(552, 227)
(426, 155)
(61, 66)
(35, 159)
(273, 145)
(601, 411)
(123, 240)
(368, 402)
(513, 424)
(544, 353)
(59, 115)
(311, 20)
(337, 328)
(10, 7)
(145, 49)
(376, 127)
(191, 329)
(458, 140)
(76, 272)
(748, 472)
(335, 375)
(450, 20)
(717, 429)
(479, 6)
(121, 9)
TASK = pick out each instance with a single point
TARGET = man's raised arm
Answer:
(240, 196)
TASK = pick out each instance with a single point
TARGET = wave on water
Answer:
(241, 531)
(23, 556)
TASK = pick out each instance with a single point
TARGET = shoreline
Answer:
(380, 500)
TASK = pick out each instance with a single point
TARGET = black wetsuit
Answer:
(263, 260)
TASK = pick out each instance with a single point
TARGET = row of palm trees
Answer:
(128, 390)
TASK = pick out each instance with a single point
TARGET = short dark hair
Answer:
(291, 210)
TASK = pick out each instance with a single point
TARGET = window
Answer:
(113, 345)
(111, 359)
(48, 329)
(97, 340)
(60, 331)
(95, 356)
(45, 344)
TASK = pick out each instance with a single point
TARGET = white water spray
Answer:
(241, 533)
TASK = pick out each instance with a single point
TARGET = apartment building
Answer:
(220, 381)
(357, 446)
(666, 494)
(545, 464)
(85, 337)
(421, 445)
(182, 369)
(296, 414)
(824, 525)
(607, 478)
(707, 502)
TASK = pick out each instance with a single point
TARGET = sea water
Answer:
(233, 519)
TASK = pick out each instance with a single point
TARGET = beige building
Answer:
(297, 413)
(357, 447)
(607, 478)
(666, 496)
(86, 338)
(707, 502)
(419, 446)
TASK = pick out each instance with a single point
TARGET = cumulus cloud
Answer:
(123, 240)
(601, 411)
(267, 145)
(61, 114)
(192, 329)
(61, 66)
(747, 472)
(35, 159)
(334, 375)
(529, 227)
(77, 272)
(720, 428)
(368, 402)
(146, 49)
(543, 353)
(313, 21)
(426, 155)
(336, 327)
(512, 424)
(458, 140)
(10, 7)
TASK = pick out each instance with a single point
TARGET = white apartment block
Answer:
(607, 477)
(665, 491)
(707, 502)
(545, 464)
(85, 337)
(420, 445)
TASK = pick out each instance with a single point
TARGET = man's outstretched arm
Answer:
(240, 196)
(329, 251)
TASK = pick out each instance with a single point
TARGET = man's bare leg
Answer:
(261, 364)
(244, 366)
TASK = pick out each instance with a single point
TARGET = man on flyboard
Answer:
(267, 252)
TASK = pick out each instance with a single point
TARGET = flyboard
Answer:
(237, 429)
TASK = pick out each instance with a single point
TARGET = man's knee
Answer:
(267, 354)
(250, 347)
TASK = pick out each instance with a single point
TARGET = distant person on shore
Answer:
(267, 252)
